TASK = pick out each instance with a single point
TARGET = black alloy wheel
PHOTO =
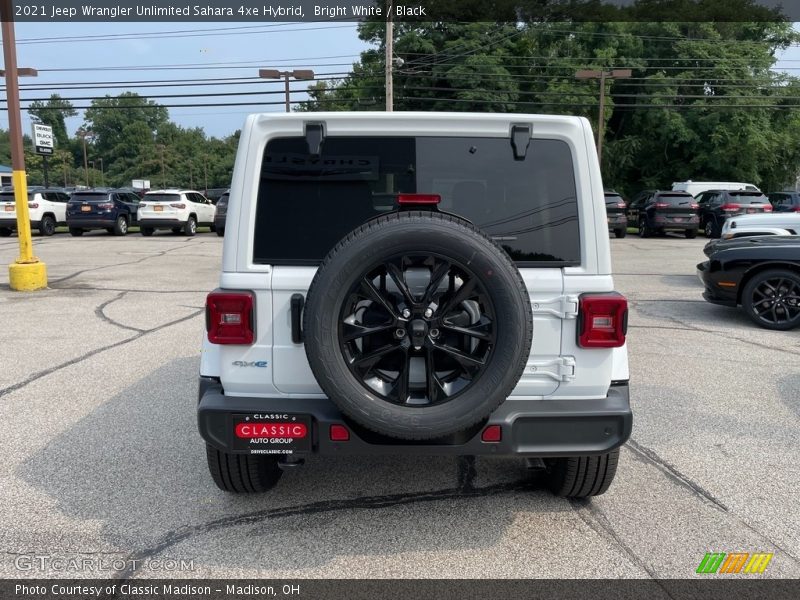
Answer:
(772, 299)
(417, 344)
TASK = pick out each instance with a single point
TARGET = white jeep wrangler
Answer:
(415, 283)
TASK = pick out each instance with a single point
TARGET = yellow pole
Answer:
(28, 273)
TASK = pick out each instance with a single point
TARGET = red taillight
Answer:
(731, 207)
(694, 205)
(767, 208)
(602, 320)
(33, 205)
(410, 199)
(181, 206)
(230, 318)
(339, 433)
(795, 209)
(142, 205)
(662, 204)
(621, 205)
(492, 434)
(106, 205)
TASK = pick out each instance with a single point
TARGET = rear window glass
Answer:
(9, 196)
(161, 198)
(83, 197)
(675, 199)
(307, 204)
(752, 197)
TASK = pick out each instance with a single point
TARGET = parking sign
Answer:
(43, 139)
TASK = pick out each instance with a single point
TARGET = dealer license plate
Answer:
(271, 433)
(86, 208)
(9, 208)
(158, 208)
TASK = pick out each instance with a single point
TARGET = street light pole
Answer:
(102, 173)
(27, 273)
(602, 76)
(299, 74)
(83, 133)
(388, 60)
(91, 162)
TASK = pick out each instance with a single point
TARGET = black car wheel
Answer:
(5, 232)
(711, 230)
(690, 234)
(146, 231)
(220, 231)
(176, 230)
(417, 325)
(242, 473)
(581, 476)
(772, 299)
(621, 232)
(644, 230)
(120, 226)
(47, 226)
(190, 227)
(75, 231)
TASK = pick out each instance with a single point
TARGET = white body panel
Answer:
(766, 222)
(557, 367)
(170, 209)
(698, 187)
(38, 206)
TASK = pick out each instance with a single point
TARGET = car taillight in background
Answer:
(621, 205)
(662, 204)
(795, 208)
(106, 205)
(180, 206)
(142, 205)
(33, 205)
(694, 206)
(230, 318)
(602, 320)
(731, 207)
(767, 208)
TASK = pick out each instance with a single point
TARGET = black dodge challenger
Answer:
(760, 274)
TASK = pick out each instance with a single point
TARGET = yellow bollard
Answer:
(28, 273)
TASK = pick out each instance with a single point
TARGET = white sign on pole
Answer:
(43, 142)
(141, 184)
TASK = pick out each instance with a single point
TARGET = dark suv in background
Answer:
(615, 210)
(717, 205)
(654, 211)
(112, 210)
(222, 213)
(788, 201)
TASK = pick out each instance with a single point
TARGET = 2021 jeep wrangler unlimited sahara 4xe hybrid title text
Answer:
(415, 283)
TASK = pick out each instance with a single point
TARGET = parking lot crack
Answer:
(45, 372)
(100, 313)
(177, 536)
(673, 474)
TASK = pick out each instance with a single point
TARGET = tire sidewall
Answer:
(347, 264)
(747, 298)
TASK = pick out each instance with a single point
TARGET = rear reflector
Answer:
(411, 199)
(230, 318)
(602, 320)
(492, 434)
(339, 433)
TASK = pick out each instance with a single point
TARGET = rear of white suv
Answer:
(381, 284)
(182, 211)
(47, 209)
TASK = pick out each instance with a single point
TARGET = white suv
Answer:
(47, 209)
(415, 283)
(178, 210)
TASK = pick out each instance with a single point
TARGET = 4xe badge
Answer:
(261, 364)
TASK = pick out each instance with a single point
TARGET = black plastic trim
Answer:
(297, 302)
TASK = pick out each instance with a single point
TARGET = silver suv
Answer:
(415, 283)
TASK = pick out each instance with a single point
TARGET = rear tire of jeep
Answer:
(146, 231)
(220, 231)
(47, 227)
(75, 232)
(466, 335)
(242, 473)
(190, 227)
(581, 476)
(5, 232)
(690, 234)
(120, 226)
(621, 232)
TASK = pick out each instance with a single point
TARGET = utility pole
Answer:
(299, 74)
(205, 171)
(27, 273)
(602, 76)
(102, 173)
(388, 60)
(83, 133)
(191, 176)
(65, 169)
(163, 168)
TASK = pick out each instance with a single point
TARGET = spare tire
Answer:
(417, 325)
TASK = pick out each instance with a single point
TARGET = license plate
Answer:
(8, 208)
(86, 208)
(677, 219)
(271, 434)
(158, 208)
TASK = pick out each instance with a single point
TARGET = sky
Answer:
(204, 51)
(146, 52)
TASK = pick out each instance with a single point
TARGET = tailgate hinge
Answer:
(560, 369)
(563, 307)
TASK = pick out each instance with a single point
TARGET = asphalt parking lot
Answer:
(100, 457)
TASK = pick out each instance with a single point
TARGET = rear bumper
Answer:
(679, 226)
(219, 222)
(12, 224)
(94, 221)
(618, 222)
(536, 428)
(160, 223)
